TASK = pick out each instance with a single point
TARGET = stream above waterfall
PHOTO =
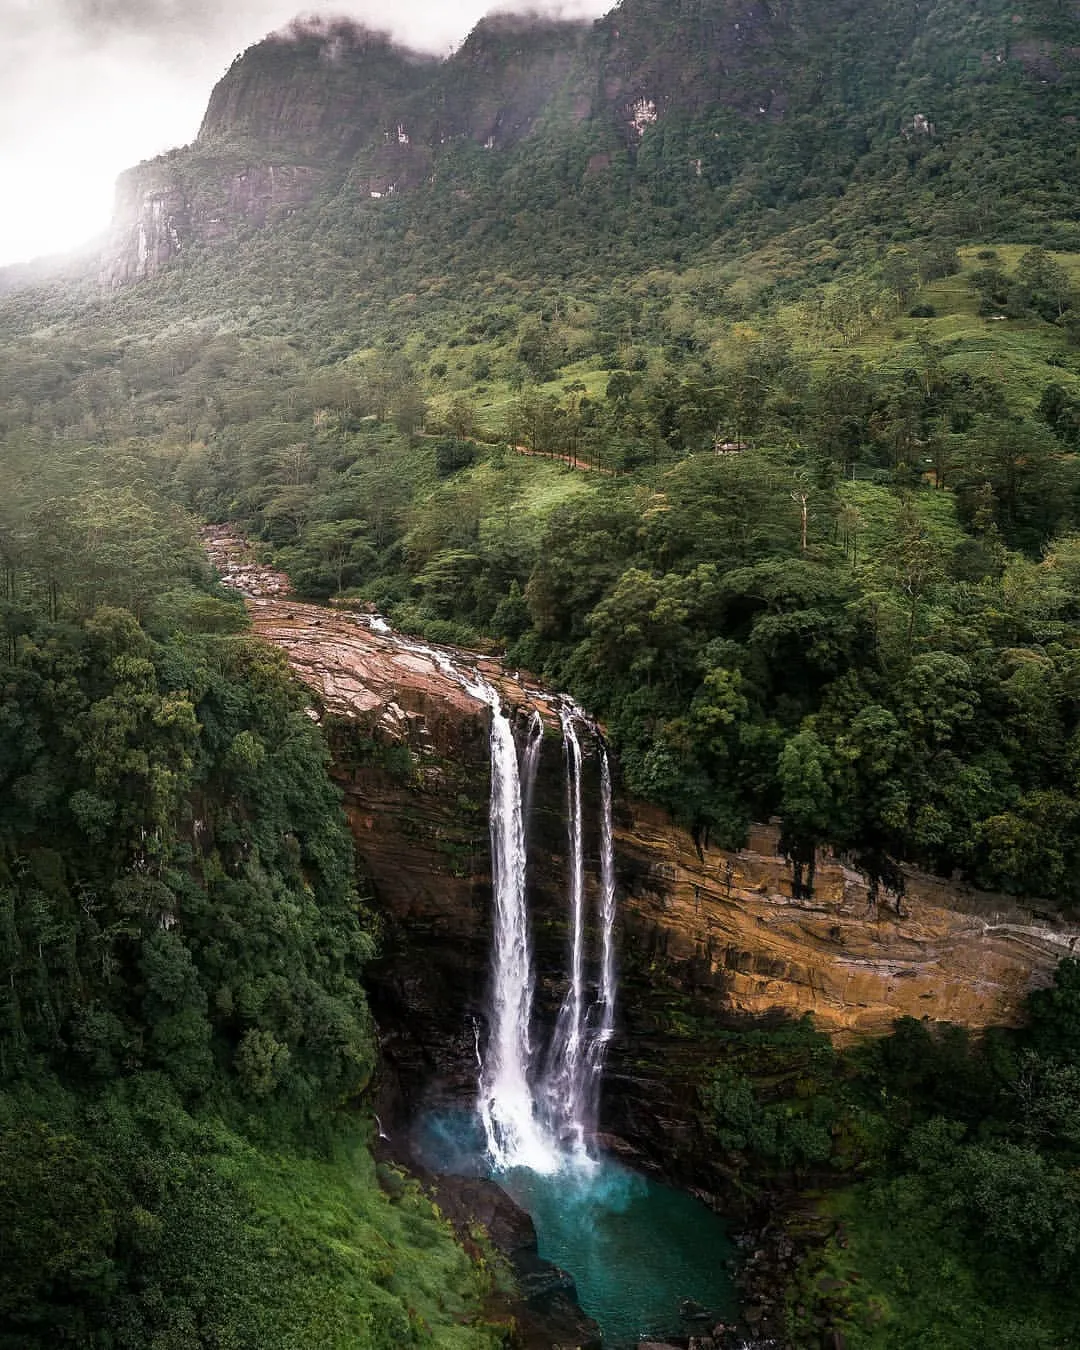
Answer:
(647, 1260)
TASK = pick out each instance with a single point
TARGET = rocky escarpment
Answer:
(331, 106)
(731, 926)
(708, 938)
(162, 207)
(670, 95)
(283, 122)
(316, 88)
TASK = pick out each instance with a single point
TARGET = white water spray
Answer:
(515, 1137)
(530, 765)
(604, 1012)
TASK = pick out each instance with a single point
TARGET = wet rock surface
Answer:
(545, 1310)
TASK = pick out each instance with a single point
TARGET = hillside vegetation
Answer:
(822, 565)
(719, 362)
(184, 1040)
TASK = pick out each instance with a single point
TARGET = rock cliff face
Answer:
(333, 110)
(318, 88)
(151, 221)
(161, 208)
(707, 938)
(331, 106)
(729, 927)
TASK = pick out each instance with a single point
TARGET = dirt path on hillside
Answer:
(574, 461)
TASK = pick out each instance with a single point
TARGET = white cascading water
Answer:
(530, 764)
(604, 1012)
(565, 1080)
(607, 903)
(515, 1136)
(514, 1133)
(517, 1133)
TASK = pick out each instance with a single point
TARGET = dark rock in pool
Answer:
(469, 1200)
(549, 1314)
(541, 1282)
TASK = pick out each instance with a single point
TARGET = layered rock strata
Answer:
(729, 927)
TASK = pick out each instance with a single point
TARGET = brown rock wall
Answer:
(732, 931)
(160, 211)
(723, 927)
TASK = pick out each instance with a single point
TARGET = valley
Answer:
(540, 624)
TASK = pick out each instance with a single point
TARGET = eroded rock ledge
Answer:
(731, 923)
(725, 928)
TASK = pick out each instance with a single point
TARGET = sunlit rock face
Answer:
(158, 213)
(151, 222)
(728, 928)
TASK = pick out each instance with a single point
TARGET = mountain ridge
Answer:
(717, 110)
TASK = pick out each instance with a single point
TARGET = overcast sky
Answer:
(88, 87)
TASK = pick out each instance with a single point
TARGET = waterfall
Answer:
(604, 1011)
(530, 764)
(517, 1132)
(515, 1137)
(564, 1083)
(520, 1130)
(514, 1133)
(607, 903)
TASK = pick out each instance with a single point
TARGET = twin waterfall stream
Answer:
(538, 1112)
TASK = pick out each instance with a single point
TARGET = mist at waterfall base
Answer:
(647, 1260)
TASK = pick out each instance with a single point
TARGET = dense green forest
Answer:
(957, 1222)
(758, 432)
(828, 577)
(184, 1039)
